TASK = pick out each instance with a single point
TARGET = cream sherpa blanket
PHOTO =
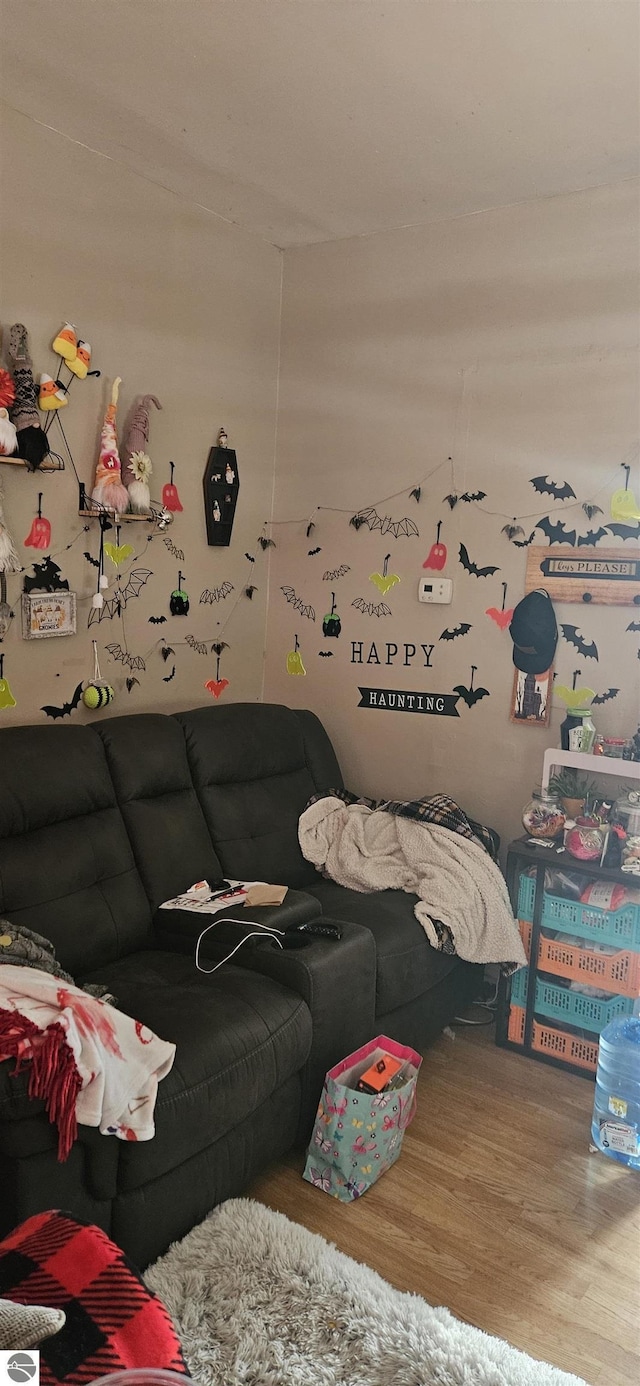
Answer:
(455, 879)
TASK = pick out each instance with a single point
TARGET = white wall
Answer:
(507, 340)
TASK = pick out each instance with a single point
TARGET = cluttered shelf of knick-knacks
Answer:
(95, 513)
(537, 853)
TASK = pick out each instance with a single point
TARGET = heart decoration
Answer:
(216, 686)
(385, 580)
(502, 618)
(118, 552)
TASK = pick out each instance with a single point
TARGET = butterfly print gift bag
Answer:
(358, 1135)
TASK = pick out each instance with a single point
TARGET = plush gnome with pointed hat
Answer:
(108, 490)
(137, 465)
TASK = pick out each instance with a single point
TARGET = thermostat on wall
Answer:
(434, 589)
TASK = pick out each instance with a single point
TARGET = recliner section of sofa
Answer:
(98, 826)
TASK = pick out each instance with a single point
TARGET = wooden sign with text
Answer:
(608, 577)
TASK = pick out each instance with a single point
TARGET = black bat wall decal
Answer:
(157, 620)
(304, 608)
(557, 534)
(415, 495)
(250, 557)
(452, 634)
(67, 708)
(310, 529)
(170, 676)
(473, 568)
(473, 496)
(606, 697)
(545, 487)
(634, 625)
(625, 531)
(471, 695)
(572, 634)
(95, 562)
(591, 537)
(333, 573)
(313, 552)
(371, 608)
(524, 543)
(325, 654)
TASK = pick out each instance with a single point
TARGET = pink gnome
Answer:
(109, 490)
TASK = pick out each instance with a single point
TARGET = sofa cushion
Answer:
(66, 865)
(407, 965)
(239, 1036)
(255, 767)
(147, 759)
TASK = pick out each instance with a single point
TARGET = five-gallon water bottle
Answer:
(616, 1110)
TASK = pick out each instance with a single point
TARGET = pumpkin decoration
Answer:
(39, 536)
(294, 660)
(437, 555)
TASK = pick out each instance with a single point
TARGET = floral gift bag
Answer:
(358, 1135)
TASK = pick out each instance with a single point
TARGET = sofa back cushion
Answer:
(66, 865)
(255, 766)
(147, 759)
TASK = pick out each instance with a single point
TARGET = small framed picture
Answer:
(45, 614)
(531, 698)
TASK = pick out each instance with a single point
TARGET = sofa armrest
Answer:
(178, 930)
(337, 979)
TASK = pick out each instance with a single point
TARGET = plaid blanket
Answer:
(431, 808)
(112, 1319)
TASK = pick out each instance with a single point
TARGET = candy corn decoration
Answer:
(294, 660)
(65, 344)
(6, 696)
(52, 394)
(170, 497)
(81, 361)
(39, 536)
(109, 490)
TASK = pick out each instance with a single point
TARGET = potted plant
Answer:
(571, 789)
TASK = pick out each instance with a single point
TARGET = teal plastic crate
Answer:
(526, 896)
(586, 1012)
(620, 928)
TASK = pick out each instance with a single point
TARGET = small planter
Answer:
(572, 807)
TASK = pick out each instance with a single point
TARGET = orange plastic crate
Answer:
(619, 972)
(525, 928)
(548, 1039)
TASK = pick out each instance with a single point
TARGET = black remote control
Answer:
(318, 928)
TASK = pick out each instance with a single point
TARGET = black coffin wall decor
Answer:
(221, 486)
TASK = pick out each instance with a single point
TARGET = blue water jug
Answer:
(616, 1110)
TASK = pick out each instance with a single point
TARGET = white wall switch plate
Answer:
(434, 589)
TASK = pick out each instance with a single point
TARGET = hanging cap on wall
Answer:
(534, 633)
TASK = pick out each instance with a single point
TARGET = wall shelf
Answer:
(94, 513)
(594, 765)
(49, 464)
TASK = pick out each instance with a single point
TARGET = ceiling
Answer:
(310, 120)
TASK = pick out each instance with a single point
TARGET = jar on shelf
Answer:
(577, 731)
(614, 746)
(543, 816)
(585, 839)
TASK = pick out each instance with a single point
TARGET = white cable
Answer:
(262, 930)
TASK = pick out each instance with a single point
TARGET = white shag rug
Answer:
(260, 1301)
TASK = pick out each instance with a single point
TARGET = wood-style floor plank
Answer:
(497, 1210)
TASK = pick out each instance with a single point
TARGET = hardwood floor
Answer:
(497, 1210)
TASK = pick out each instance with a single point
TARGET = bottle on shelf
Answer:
(615, 1128)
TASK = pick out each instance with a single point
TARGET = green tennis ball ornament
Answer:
(97, 695)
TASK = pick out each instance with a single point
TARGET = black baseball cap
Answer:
(534, 632)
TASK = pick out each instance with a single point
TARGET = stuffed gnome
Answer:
(108, 490)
